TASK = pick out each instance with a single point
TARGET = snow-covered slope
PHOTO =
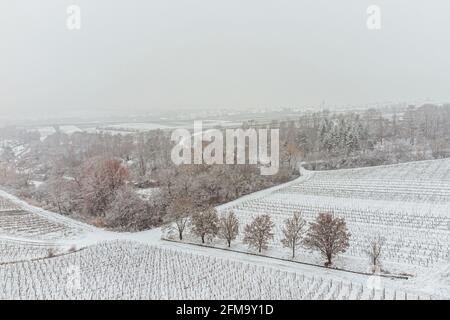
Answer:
(385, 200)
(408, 204)
(128, 270)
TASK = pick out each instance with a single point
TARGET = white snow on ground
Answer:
(148, 193)
(129, 270)
(30, 222)
(137, 126)
(436, 280)
(69, 129)
(45, 132)
(122, 264)
(16, 251)
(408, 204)
(36, 183)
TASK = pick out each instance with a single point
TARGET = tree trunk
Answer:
(329, 261)
(203, 239)
(229, 243)
(181, 235)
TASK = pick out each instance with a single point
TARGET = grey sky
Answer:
(148, 55)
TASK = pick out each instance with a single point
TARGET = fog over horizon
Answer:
(153, 56)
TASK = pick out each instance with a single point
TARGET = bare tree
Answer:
(374, 252)
(228, 227)
(167, 180)
(259, 232)
(62, 193)
(127, 211)
(142, 156)
(294, 230)
(328, 235)
(205, 223)
(100, 179)
(179, 211)
(10, 175)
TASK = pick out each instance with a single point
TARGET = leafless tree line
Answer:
(327, 234)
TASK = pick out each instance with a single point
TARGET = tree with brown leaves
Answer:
(259, 232)
(328, 235)
(293, 231)
(228, 227)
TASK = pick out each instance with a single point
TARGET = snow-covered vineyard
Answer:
(425, 181)
(126, 270)
(44, 255)
(17, 222)
(407, 204)
(18, 251)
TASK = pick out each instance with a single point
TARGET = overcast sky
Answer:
(149, 55)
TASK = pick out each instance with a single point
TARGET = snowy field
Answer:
(127, 270)
(424, 181)
(110, 265)
(147, 126)
(407, 204)
(16, 251)
(18, 220)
